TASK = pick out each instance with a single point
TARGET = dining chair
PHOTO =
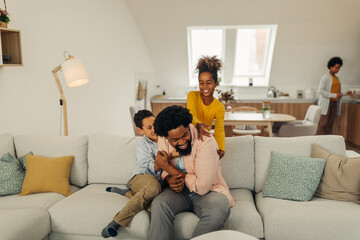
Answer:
(240, 130)
(305, 127)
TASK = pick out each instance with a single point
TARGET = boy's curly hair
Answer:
(171, 118)
(209, 64)
(140, 116)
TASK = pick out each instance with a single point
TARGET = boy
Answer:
(145, 181)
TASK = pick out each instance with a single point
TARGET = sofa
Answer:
(102, 160)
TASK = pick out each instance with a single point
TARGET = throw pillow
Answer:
(11, 175)
(293, 177)
(47, 175)
(22, 160)
(341, 179)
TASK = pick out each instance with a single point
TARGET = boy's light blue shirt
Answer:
(146, 151)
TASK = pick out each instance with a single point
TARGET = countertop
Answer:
(245, 100)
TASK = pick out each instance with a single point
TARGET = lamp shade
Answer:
(74, 72)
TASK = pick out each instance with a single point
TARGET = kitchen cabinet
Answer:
(10, 47)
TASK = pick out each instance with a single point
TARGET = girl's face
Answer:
(207, 84)
(335, 69)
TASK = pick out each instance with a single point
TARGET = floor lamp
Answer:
(75, 75)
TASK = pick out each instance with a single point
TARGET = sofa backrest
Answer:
(237, 164)
(300, 146)
(6, 144)
(58, 146)
(111, 158)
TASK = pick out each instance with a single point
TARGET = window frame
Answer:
(259, 80)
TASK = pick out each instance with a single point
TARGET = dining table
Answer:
(256, 119)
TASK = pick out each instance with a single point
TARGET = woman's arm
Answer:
(322, 87)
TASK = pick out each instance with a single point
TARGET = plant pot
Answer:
(3, 25)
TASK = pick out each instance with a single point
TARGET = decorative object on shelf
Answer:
(226, 98)
(4, 18)
(266, 109)
(75, 75)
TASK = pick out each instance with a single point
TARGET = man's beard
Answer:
(186, 151)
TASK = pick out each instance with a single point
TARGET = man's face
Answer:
(180, 139)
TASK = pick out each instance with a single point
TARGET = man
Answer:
(197, 184)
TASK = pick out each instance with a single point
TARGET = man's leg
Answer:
(213, 209)
(146, 188)
(163, 211)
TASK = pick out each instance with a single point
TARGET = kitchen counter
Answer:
(240, 100)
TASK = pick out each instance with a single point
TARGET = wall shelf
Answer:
(10, 47)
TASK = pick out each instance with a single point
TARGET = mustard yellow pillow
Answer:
(45, 174)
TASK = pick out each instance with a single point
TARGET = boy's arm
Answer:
(145, 158)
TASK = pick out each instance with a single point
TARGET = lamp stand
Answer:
(62, 96)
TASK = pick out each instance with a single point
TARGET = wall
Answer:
(309, 34)
(104, 36)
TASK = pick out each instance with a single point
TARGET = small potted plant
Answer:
(226, 98)
(4, 18)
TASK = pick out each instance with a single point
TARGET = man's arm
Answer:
(162, 162)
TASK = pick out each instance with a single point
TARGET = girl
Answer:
(202, 104)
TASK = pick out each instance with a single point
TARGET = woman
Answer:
(202, 104)
(329, 93)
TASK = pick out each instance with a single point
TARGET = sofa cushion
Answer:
(6, 144)
(237, 165)
(29, 224)
(243, 217)
(293, 177)
(47, 175)
(36, 200)
(90, 209)
(11, 175)
(313, 220)
(111, 158)
(56, 146)
(300, 146)
(341, 179)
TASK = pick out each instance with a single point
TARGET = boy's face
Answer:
(148, 128)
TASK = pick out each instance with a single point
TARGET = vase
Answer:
(3, 25)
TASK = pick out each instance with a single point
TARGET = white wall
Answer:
(104, 36)
(309, 34)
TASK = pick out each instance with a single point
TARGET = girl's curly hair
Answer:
(209, 64)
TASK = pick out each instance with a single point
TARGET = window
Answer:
(246, 52)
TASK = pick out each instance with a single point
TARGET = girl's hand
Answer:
(220, 153)
(202, 131)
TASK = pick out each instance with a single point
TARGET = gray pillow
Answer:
(293, 177)
(11, 175)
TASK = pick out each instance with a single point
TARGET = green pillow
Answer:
(11, 175)
(293, 177)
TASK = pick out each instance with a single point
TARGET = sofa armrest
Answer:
(293, 130)
(352, 154)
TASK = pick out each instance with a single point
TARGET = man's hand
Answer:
(161, 160)
(176, 183)
(202, 131)
(220, 153)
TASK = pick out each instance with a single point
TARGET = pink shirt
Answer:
(202, 165)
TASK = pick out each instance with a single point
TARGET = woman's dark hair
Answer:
(140, 116)
(209, 64)
(333, 61)
(171, 118)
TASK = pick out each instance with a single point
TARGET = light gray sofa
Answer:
(106, 160)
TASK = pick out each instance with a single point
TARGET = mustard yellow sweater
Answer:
(206, 114)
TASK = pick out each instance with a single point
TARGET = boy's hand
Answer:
(174, 154)
(176, 183)
(202, 131)
(161, 160)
